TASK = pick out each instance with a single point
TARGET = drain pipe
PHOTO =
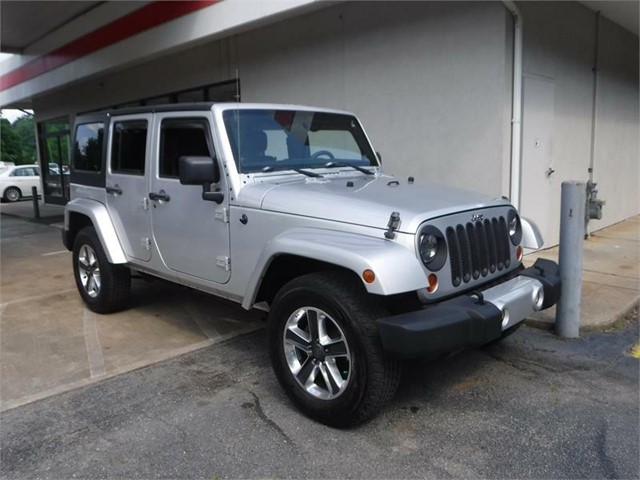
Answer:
(516, 115)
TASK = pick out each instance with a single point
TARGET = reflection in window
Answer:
(128, 147)
(87, 151)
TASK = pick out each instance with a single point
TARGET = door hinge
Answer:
(222, 214)
(223, 262)
(146, 243)
(145, 203)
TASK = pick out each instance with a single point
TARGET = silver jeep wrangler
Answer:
(286, 209)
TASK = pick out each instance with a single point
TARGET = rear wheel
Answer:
(325, 349)
(104, 287)
(12, 194)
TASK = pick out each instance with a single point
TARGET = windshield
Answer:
(267, 140)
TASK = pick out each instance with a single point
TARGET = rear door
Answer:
(127, 184)
(25, 178)
(191, 234)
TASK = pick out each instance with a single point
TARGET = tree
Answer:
(25, 129)
(10, 147)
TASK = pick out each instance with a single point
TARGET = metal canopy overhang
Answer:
(24, 23)
(158, 27)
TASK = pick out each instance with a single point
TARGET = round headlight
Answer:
(432, 248)
(428, 247)
(514, 226)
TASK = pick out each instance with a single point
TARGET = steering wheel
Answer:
(320, 153)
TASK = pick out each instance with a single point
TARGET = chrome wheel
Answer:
(89, 271)
(12, 194)
(317, 353)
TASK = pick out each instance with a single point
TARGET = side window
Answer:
(179, 138)
(87, 148)
(128, 147)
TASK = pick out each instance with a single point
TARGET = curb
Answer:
(542, 325)
(41, 221)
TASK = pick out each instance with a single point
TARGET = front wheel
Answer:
(104, 287)
(325, 349)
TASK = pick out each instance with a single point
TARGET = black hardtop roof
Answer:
(169, 107)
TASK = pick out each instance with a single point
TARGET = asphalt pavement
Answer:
(533, 406)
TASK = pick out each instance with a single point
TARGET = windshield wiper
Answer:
(297, 170)
(307, 173)
(346, 164)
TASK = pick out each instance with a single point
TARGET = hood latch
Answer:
(392, 226)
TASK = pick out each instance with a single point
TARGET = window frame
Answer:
(85, 177)
(112, 137)
(205, 120)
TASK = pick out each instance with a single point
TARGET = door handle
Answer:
(161, 195)
(115, 190)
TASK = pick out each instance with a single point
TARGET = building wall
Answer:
(559, 47)
(617, 154)
(432, 83)
(429, 81)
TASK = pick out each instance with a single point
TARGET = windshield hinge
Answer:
(392, 226)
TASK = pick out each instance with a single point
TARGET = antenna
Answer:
(238, 120)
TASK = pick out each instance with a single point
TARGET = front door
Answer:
(126, 183)
(191, 234)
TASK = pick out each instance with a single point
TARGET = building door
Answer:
(539, 179)
(53, 136)
(127, 185)
(191, 234)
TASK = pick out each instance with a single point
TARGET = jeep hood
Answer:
(363, 200)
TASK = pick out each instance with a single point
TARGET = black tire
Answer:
(114, 281)
(12, 194)
(372, 376)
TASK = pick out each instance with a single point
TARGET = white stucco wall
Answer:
(617, 152)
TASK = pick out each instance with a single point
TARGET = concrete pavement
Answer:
(610, 277)
(51, 343)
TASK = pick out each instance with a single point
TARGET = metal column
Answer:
(570, 258)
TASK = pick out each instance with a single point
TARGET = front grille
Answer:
(478, 249)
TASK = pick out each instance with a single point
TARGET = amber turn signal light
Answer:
(433, 283)
(519, 253)
(368, 276)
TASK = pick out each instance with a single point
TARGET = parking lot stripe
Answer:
(205, 326)
(55, 253)
(36, 297)
(92, 342)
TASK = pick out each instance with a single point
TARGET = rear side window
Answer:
(182, 137)
(24, 172)
(128, 147)
(87, 148)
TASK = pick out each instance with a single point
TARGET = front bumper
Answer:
(473, 319)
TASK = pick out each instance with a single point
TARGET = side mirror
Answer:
(198, 170)
(201, 171)
(379, 157)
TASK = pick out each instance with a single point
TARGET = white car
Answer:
(16, 181)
